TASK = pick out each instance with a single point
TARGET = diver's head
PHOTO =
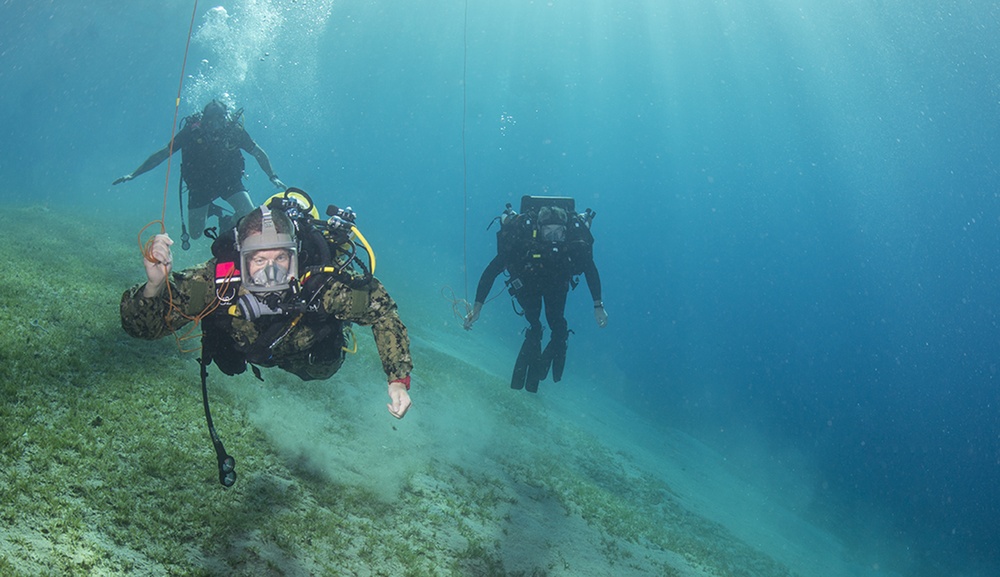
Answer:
(552, 222)
(213, 117)
(268, 251)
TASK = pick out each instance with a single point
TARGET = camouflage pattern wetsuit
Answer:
(305, 351)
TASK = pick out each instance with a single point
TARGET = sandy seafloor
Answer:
(107, 468)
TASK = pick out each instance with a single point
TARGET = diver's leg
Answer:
(241, 203)
(196, 220)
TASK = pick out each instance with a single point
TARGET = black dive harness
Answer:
(260, 352)
(327, 246)
(234, 120)
(526, 254)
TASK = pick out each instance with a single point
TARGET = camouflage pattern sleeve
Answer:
(372, 306)
(192, 290)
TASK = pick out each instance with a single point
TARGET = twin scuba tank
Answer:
(548, 233)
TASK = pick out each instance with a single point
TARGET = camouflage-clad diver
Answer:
(263, 323)
(280, 292)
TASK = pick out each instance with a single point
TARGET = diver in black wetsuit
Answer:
(543, 249)
(212, 165)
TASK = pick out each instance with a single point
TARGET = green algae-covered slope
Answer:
(106, 467)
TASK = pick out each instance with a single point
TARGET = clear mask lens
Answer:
(553, 232)
(269, 270)
(271, 276)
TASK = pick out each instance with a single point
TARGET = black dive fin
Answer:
(539, 370)
(559, 363)
(531, 382)
(520, 372)
(554, 355)
(523, 377)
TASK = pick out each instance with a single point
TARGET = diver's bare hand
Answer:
(158, 262)
(400, 399)
(473, 316)
(600, 315)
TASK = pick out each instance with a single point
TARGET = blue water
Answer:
(798, 221)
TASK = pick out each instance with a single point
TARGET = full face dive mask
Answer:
(269, 259)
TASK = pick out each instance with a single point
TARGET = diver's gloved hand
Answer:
(399, 396)
(600, 315)
(122, 179)
(473, 316)
(158, 261)
(277, 183)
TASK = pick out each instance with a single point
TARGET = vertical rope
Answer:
(465, 168)
(173, 126)
(144, 246)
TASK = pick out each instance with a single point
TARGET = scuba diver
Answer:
(544, 250)
(281, 291)
(211, 166)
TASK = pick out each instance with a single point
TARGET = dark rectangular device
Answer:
(533, 203)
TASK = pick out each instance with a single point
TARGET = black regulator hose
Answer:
(185, 237)
(227, 464)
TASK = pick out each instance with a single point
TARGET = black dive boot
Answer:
(531, 350)
(555, 355)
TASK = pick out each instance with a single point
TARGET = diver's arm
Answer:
(486, 281)
(488, 277)
(372, 305)
(150, 163)
(182, 138)
(265, 164)
(144, 317)
(393, 344)
(394, 349)
(594, 284)
(153, 161)
(593, 281)
(146, 311)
